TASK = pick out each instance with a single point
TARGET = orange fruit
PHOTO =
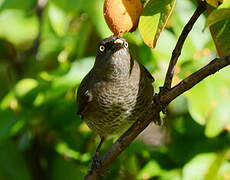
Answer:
(122, 15)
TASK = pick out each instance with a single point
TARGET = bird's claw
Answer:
(97, 163)
(156, 99)
(158, 120)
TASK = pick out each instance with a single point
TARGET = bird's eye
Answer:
(102, 48)
(126, 44)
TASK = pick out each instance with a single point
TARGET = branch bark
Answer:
(169, 95)
(177, 50)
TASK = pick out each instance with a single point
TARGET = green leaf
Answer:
(77, 72)
(209, 102)
(69, 6)
(213, 3)
(153, 20)
(12, 165)
(94, 9)
(24, 86)
(219, 14)
(63, 149)
(8, 119)
(198, 166)
(16, 27)
(151, 169)
(174, 174)
(17, 4)
(11, 123)
(59, 19)
(219, 22)
(83, 39)
(209, 166)
(225, 170)
(220, 34)
(213, 172)
(65, 170)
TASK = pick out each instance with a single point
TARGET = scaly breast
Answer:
(117, 104)
(112, 105)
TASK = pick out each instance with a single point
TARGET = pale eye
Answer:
(126, 44)
(102, 48)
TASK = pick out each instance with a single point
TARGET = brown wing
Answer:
(147, 73)
(84, 96)
(142, 68)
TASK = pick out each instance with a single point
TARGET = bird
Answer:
(116, 92)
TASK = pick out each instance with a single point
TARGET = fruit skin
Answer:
(122, 15)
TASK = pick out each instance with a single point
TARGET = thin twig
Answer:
(177, 50)
(124, 141)
(214, 66)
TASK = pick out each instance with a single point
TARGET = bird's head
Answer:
(113, 57)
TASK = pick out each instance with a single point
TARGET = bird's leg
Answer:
(156, 99)
(96, 159)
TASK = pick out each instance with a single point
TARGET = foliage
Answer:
(42, 61)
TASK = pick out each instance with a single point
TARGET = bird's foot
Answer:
(97, 163)
(156, 99)
(158, 120)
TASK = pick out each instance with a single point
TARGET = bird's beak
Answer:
(119, 41)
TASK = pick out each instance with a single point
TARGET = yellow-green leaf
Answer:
(213, 3)
(153, 20)
(219, 14)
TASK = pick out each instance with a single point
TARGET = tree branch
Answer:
(177, 50)
(124, 141)
(163, 98)
(214, 66)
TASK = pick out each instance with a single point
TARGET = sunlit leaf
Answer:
(153, 20)
(174, 174)
(213, 3)
(24, 86)
(213, 172)
(219, 14)
(198, 166)
(76, 73)
(63, 149)
(151, 169)
(16, 27)
(59, 19)
(209, 101)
